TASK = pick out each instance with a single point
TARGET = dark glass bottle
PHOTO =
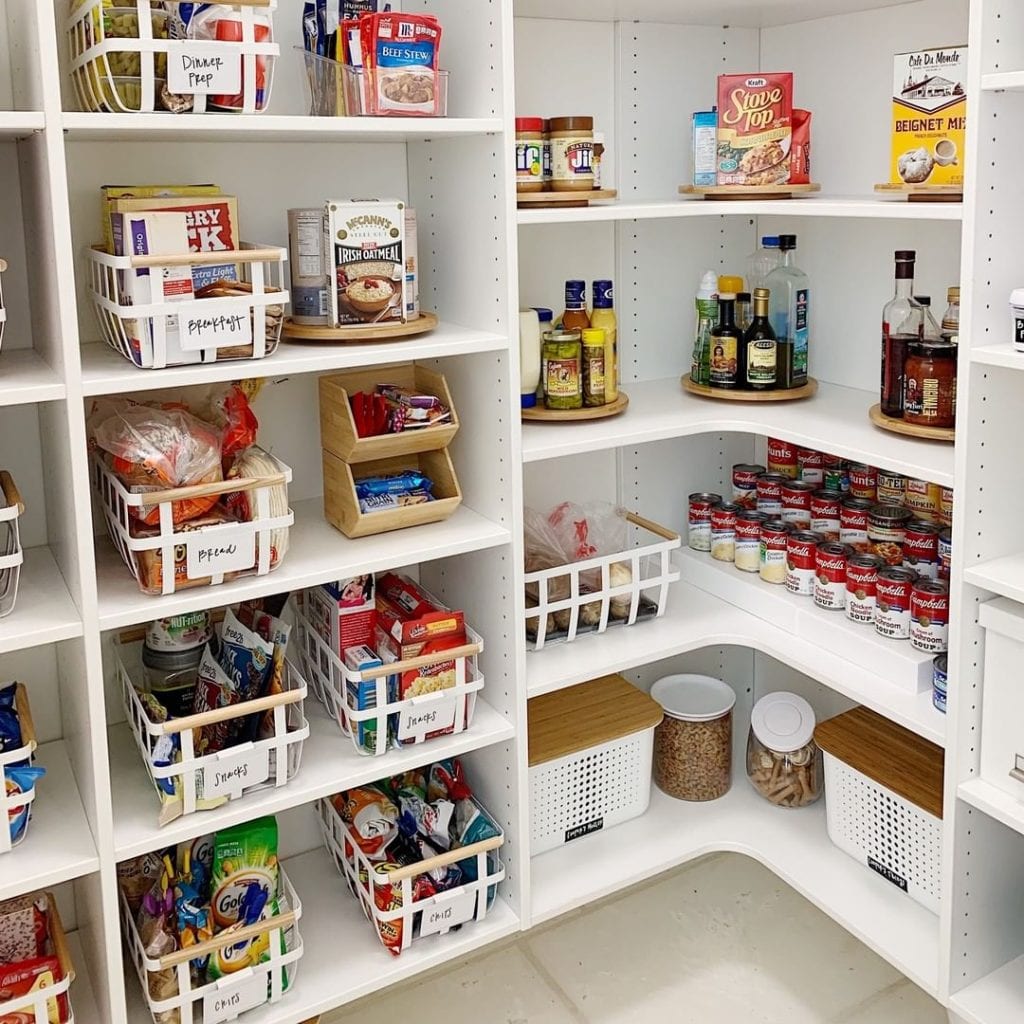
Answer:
(759, 357)
(902, 323)
(725, 345)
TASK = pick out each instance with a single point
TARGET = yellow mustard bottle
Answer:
(603, 317)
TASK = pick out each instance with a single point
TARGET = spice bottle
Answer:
(594, 370)
(572, 154)
(603, 316)
(725, 345)
(575, 316)
(951, 318)
(529, 154)
(563, 380)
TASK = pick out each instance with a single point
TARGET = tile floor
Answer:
(722, 941)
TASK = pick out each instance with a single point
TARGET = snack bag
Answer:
(242, 854)
(214, 689)
(372, 818)
(245, 656)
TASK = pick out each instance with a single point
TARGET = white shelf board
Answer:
(792, 843)
(316, 553)
(1003, 576)
(754, 13)
(696, 619)
(83, 1001)
(58, 845)
(994, 802)
(835, 420)
(106, 372)
(19, 124)
(26, 377)
(330, 764)
(44, 612)
(859, 207)
(343, 958)
(235, 128)
(995, 999)
(1008, 81)
(1003, 355)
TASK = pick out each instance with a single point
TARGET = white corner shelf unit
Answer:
(640, 67)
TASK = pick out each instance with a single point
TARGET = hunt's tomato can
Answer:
(782, 458)
(863, 481)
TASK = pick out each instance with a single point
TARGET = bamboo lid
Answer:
(587, 715)
(892, 756)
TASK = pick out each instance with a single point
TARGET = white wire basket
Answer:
(366, 704)
(123, 59)
(155, 334)
(199, 782)
(11, 554)
(386, 893)
(169, 558)
(891, 835)
(224, 999)
(3, 307)
(13, 803)
(52, 1004)
(588, 605)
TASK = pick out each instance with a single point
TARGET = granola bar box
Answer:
(929, 117)
(755, 128)
(373, 249)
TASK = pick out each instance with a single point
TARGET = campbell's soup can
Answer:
(862, 587)
(744, 484)
(800, 562)
(748, 540)
(830, 575)
(782, 458)
(946, 506)
(826, 513)
(929, 616)
(924, 499)
(892, 616)
(853, 522)
(796, 504)
(811, 466)
(774, 539)
(891, 488)
(769, 493)
(699, 533)
(921, 548)
(723, 531)
(887, 529)
(863, 481)
(945, 554)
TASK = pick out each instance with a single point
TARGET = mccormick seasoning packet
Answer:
(400, 53)
(755, 128)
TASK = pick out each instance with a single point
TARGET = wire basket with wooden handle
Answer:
(388, 895)
(15, 801)
(11, 554)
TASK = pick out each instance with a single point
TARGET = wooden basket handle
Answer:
(442, 860)
(225, 939)
(647, 524)
(3, 265)
(11, 493)
(243, 710)
(58, 938)
(199, 259)
(243, 483)
(28, 729)
(396, 667)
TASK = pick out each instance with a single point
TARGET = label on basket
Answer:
(234, 998)
(432, 712)
(236, 770)
(203, 67)
(448, 910)
(888, 874)
(218, 550)
(213, 324)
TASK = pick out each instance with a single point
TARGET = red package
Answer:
(800, 154)
(410, 615)
(229, 29)
(755, 128)
(27, 976)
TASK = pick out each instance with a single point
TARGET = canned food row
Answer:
(883, 570)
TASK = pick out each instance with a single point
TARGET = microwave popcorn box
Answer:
(373, 262)
(409, 615)
(755, 128)
(929, 117)
(343, 613)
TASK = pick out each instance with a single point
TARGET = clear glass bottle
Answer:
(743, 310)
(759, 352)
(762, 262)
(951, 318)
(902, 323)
(790, 309)
(930, 330)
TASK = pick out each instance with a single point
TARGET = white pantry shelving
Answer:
(641, 67)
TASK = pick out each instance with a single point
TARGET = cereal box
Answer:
(929, 117)
(373, 252)
(755, 128)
